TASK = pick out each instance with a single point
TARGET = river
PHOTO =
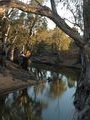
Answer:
(52, 99)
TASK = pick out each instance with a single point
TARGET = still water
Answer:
(52, 99)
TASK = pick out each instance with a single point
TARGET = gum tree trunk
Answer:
(82, 96)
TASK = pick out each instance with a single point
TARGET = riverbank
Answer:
(13, 77)
(68, 59)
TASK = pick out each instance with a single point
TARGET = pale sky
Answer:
(62, 12)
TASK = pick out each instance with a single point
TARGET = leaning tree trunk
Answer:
(82, 95)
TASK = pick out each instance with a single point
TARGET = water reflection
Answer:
(49, 100)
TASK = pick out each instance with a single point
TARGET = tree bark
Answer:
(86, 18)
(82, 95)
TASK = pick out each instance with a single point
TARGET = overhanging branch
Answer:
(68, 30)
(46, 11)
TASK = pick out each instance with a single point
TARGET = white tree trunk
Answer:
(12, 55)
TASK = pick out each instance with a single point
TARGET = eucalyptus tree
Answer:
(22, 26)
(80, 11)
(23, 29)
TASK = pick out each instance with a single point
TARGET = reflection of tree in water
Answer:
(22, 108)
(55, 76)
(39, 88)
(71, 82)
(57, 88)
(58, 85)
(72, 78)
(39, 74)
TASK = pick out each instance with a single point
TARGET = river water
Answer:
(52, 99)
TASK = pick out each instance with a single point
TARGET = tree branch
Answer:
(38, 2)
(46, 11)
(68, 30)
(41, 10)
(53, 6)
(75, 24)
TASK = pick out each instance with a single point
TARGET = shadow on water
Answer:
(49, 100)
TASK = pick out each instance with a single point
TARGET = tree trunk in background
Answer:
(11, 56)
(3, 30)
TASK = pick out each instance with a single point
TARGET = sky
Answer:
(62, 12)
